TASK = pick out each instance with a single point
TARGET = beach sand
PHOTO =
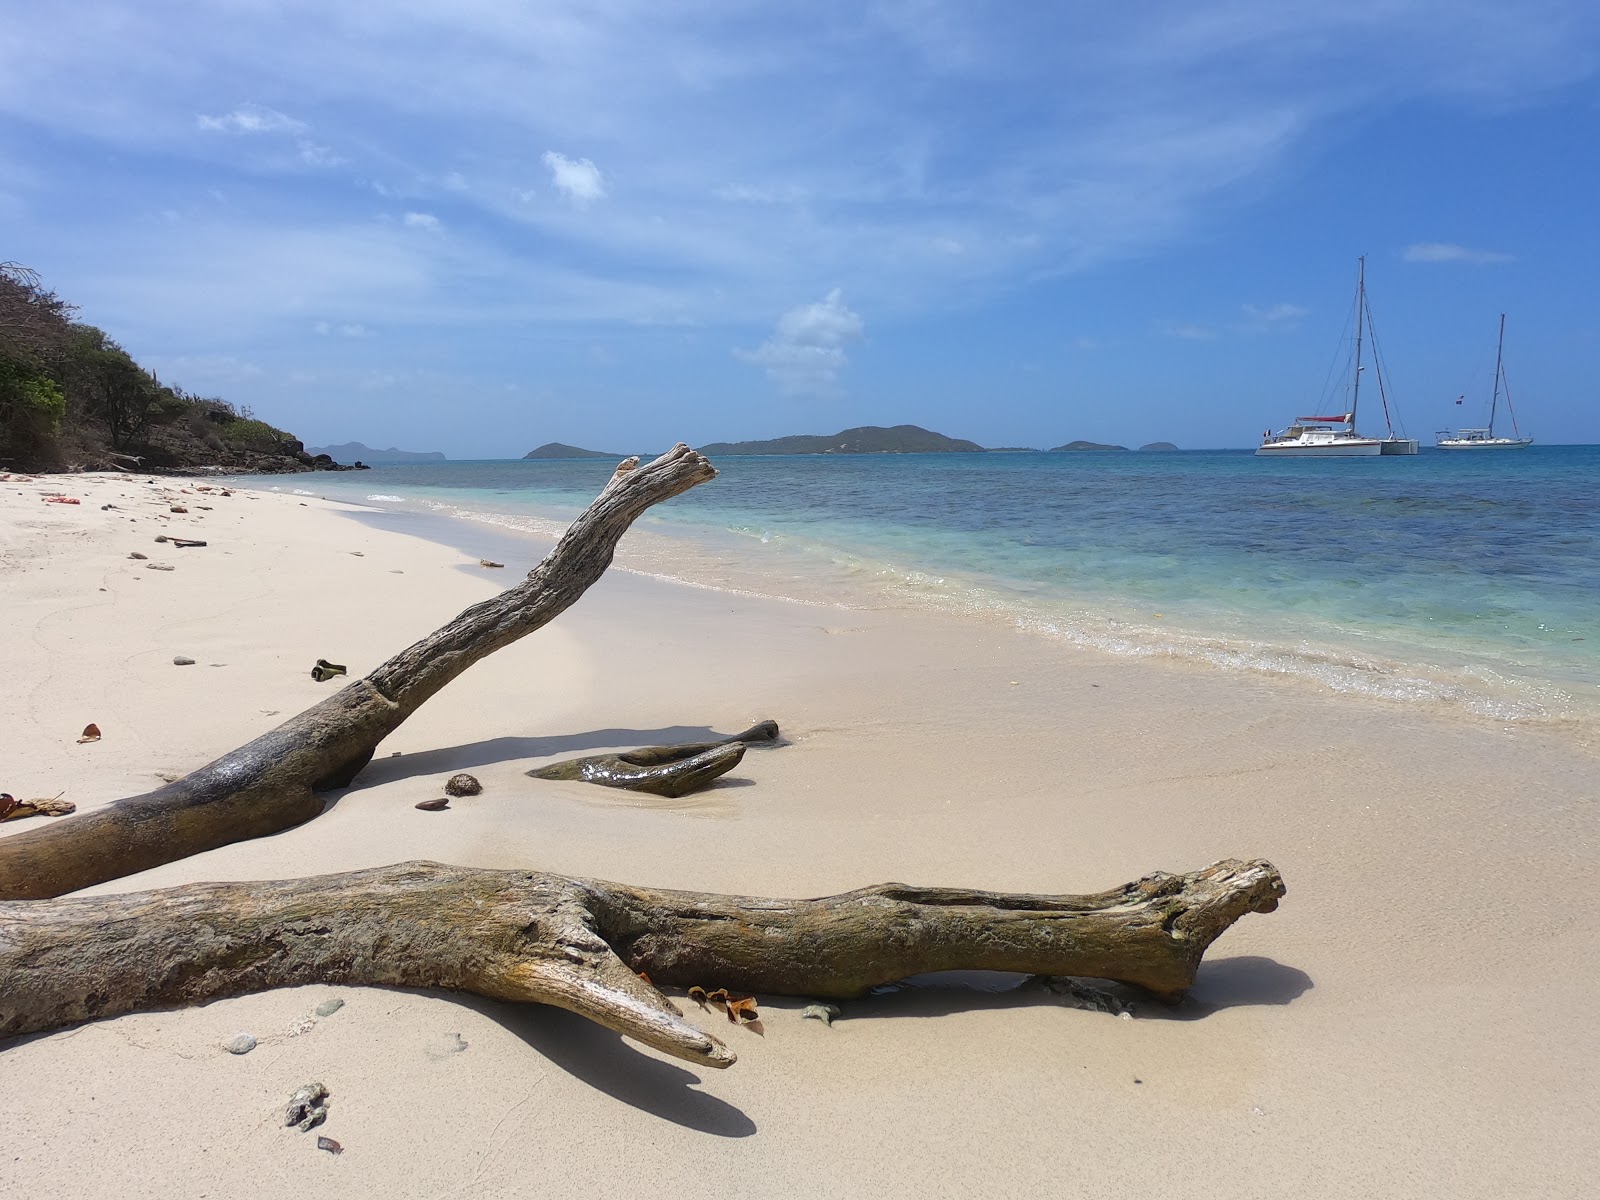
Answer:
(1414, 1020)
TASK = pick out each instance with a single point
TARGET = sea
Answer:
(1466, 580)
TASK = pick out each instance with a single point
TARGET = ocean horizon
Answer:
(1458, 580)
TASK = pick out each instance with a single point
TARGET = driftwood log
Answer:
(586, 945)
(661, 770)
(272, 783)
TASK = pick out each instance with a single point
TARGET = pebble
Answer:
(329, 1006)
(462, 785)
(240, 1043)
(439, 805)
(140, 557)
(180, 660)
(150, 566)
(821, 1012)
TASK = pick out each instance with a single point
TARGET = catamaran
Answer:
(1336, 436)
(1484, 439)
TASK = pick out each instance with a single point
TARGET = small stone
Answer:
(329, 1006)
(328, 1144)
(820, 1012)
(182, 660)
(439, 805)
(137, 555)
(462, 785)
(161, 537)
(308, 1107)
(239, 1043)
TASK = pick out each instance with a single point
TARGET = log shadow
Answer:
(609, 1063)
(1243, 981)
(449, 759)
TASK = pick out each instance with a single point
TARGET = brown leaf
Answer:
(8, 805)
(91, 733)
(644, 976)
(742, 1009)
(698, 995)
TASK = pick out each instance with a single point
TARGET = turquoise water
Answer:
(1466, 579)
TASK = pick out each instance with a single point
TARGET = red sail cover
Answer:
(1340, 420)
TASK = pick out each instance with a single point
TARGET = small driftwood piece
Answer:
(661, 770)
(12, 809)
(582, 944)
(272, 783)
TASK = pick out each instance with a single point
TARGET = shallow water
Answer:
(1469, 580)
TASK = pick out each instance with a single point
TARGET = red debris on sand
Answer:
(62, 500)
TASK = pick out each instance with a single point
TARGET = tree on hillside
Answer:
(114, 390)
(35, 328)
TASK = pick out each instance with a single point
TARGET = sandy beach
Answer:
(1413, 1021)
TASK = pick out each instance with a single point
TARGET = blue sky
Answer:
(479, 225)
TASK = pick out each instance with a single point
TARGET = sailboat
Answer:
(1336, 436)
(1484, 439)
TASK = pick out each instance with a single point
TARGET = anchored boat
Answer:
(1485, 439)
(1336, 436)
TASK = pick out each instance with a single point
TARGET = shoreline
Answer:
(720, 560)
(1411, 1022)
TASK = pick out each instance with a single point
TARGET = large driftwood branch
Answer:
(271, 783)
(661, 770)
(580, 944)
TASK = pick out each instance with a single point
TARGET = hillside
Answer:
(71, 399)
(562, 450)
(865, 439)
(1072, 447)
(1158, 446)
(357, 452)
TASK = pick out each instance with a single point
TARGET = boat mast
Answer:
(1494, 401)
(1361, 305)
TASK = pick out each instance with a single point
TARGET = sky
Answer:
(480, 225)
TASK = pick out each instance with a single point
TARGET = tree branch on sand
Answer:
(272, 783)
(599, 949)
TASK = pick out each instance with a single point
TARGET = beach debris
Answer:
(661, 770)
(328, 1144)
(62, 500)
(329, 1006)
(161, 537)
(105, 507)
(1080, 995)
(91, 733)
(820, 1012)
(325, 670)
(12, 809)
(482, 562)
(359, 553)
(182, 660)
(240, 1043)
(185, 543)
(155, 566)
(138, 556)
(178, 508)
(739, 1009)
(308, 1107)
(462, 785)
(439, 805)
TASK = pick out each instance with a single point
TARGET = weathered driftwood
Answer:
(582, 944)
(661, 770)
(272, 783)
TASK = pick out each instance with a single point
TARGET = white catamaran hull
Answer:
(1353, 448)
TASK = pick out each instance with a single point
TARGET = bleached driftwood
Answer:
(586, 945)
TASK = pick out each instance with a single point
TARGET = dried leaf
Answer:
(698, 995)
(644, 976)
(91, 733)
(742, 1009)
(8, 805)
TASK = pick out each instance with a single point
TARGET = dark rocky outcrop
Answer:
(562, 450)
(357, 452)
(1072, 447)
(1158, 446)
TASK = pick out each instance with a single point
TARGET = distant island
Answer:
(562, 450)
(865, 439)
(1082, 445)
(1158, 446)
(356, 452)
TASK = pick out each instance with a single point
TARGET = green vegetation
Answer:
(71, 397)
(865, 439)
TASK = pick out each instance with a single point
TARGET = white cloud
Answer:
(1446, 252)
(805, 353)
(251, 118)
(578, 178)
(420, 220)
(1273, 314)
(1188, 332)
(348, 329)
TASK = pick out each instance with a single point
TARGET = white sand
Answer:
(1413, 1021)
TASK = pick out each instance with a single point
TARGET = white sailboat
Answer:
(1336, 436)
(1485, 439)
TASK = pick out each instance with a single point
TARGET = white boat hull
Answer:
(1354, 448)
(1486, 444)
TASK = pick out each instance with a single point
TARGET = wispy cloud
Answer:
(806, 351)
(1189, 332)
(1449, 252)
(348, 329)
(578, 179)
(251, 118)
(420, 220)
(1271, 318)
